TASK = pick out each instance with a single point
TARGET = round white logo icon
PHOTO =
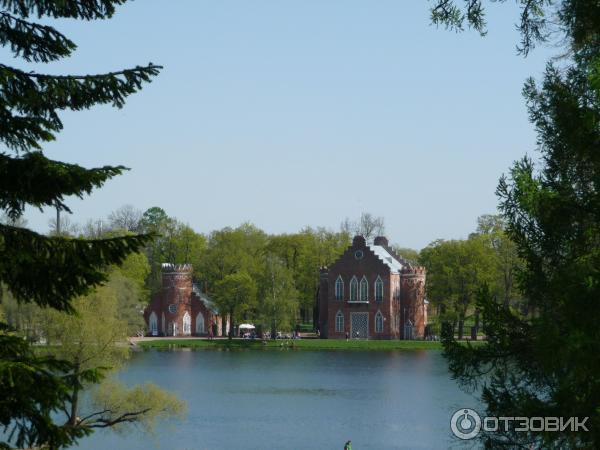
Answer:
(465, 423)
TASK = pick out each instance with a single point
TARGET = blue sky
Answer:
(296, 113)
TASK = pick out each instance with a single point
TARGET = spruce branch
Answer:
(73, 9)
(36, 180)
(29, 101)
(32, 41)
(50, 271)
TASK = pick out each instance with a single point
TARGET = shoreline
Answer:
(297, 344)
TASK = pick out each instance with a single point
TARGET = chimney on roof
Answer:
(381, 240)
(359, 241)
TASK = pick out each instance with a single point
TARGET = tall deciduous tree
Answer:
(125, 218)
(303, 254)
(49, 271)
(93, 338)
(175, 243)
(277, 297)
(235, 294)
(232, 250)
(492, 228)
(367, 225)
(455, 271)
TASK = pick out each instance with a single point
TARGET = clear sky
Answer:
(296, 113)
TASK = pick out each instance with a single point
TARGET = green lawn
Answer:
(301, 344)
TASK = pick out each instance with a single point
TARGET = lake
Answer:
(298, 400)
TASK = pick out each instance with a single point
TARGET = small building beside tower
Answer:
(180, 308)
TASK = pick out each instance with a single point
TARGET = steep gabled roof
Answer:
(387, 258)
(208, 302)
(380, 248)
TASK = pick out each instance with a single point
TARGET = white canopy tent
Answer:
(246, 326)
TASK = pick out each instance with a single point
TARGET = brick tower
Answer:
(413, 307)
(176, 298)
(322, 305)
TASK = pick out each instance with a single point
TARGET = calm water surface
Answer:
(297, 400)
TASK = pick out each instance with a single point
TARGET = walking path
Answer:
(134, 340)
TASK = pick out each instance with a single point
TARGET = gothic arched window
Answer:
(187, 324)
(354, 290)
(364, 289)
(153, 322)
(378, 322)
(379, 289)
(339, 288)
(199, 324)
(339, 322)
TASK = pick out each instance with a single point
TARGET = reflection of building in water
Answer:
(180, 308)
(370, 292)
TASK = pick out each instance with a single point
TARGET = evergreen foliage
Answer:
(49, 271)
(545, 362)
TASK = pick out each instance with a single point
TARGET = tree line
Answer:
(273, 279)
(457, 269)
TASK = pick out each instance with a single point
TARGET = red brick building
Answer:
(180, 308)
(370, 292)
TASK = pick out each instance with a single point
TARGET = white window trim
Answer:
(186, 324)
(339, 281)
(339, 329)
(354, 281)
(360, 290)
(153, 322)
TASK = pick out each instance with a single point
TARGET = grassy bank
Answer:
(301, 344)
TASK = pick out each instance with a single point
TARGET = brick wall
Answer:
(396, 305)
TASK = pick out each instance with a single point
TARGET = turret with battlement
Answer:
(416, 271)
(180, 310)
(176, 276)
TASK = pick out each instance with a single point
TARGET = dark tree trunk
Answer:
(73, 419)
